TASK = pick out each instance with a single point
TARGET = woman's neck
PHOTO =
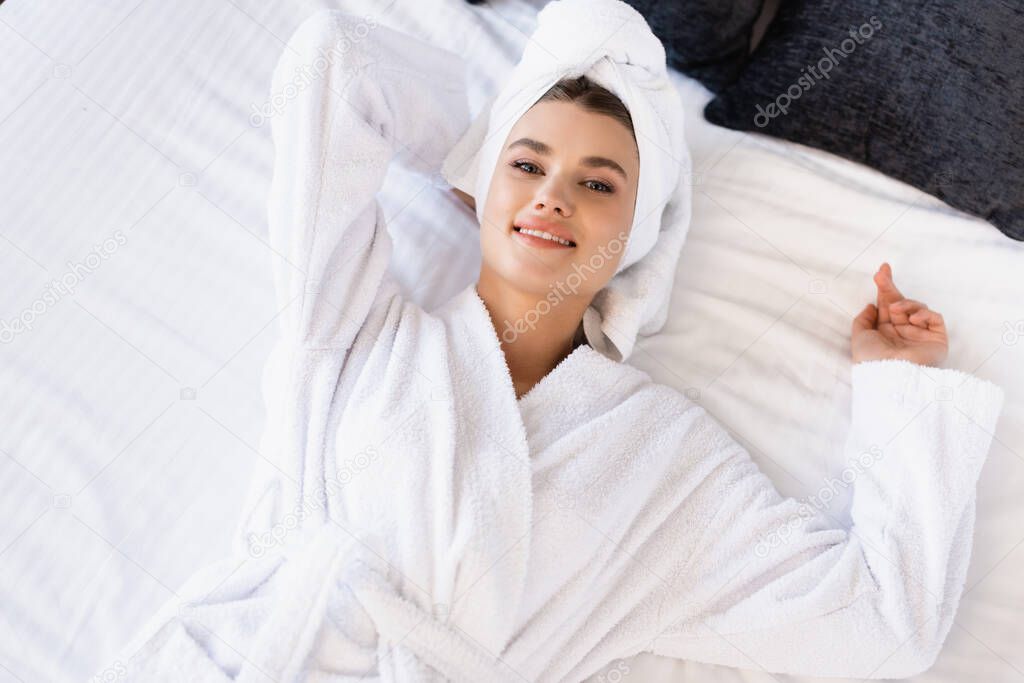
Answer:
(534, 336)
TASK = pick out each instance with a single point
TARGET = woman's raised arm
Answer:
(350, 94)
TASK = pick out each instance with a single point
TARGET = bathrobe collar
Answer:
(566, 375)
(502, 468)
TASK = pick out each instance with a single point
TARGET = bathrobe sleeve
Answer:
(347, 95)
(790, 590)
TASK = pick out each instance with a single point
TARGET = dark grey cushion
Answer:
(706, 39)
(930, 92)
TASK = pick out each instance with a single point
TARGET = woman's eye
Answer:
(522, 164)
(603, 187)
(525, 167)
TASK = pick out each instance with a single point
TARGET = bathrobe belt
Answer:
(315, 569)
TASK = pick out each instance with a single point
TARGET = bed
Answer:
(138, 310)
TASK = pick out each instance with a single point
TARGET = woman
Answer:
(518, 267)
(459, 495)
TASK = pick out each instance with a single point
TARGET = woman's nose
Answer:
(552, 198)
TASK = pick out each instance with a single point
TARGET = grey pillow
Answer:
(706, 39)
(930, 92)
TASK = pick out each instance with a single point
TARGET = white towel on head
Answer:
(610, 43)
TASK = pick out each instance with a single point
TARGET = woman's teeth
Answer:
(544, 235)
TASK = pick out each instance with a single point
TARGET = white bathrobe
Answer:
(421, 523)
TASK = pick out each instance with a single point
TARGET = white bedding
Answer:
(131, 408)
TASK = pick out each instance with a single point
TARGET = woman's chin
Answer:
(526, 275)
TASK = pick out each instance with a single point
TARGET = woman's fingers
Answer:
(929, 319)
(911, 312)
(901, 312)
(898, 322)
(923, 326)
(867, 319)
(887, 292)
(919, 318)
(917, 334)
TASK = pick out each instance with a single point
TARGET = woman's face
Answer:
(574, 173)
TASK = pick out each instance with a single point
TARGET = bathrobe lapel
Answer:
(495, 477)
(498, 469)
(500, 466)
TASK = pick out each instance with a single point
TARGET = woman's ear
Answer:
(467, 199)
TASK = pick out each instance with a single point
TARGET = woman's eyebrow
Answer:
(593, 162)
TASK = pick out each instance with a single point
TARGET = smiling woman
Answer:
(517, 518)
(561, 200)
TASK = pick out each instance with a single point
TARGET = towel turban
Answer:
(609, 42)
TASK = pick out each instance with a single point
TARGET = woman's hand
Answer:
(898, 328)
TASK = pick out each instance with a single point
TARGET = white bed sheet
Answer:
(131, 408)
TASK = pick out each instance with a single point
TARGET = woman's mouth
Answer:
(540, 239)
